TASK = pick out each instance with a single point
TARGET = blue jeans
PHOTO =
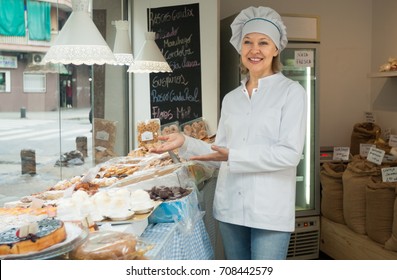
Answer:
(245, 243)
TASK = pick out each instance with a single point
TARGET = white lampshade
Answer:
(79, 41)
(150, 59)
(122, 45)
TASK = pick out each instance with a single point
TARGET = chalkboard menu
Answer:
(176, 96)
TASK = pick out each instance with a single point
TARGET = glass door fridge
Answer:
(300, 64)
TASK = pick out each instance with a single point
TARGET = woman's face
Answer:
(257, 52)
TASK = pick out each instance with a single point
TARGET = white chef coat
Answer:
(265, 136)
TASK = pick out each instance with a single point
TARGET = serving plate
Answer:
(138, 216)
(144, 211)
(123, 217)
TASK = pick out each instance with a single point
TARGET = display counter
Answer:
(173, 229)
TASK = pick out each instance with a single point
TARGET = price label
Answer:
(68, 192)
(341, 153)
(369, 117)
(376, 155)
(147, 136)
(389, 158)
(364, 149)
(102, 135)
(36, 203)
(389, 174)
(393, 140)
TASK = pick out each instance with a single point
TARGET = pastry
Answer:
(141, 202)
(107, 245)
(49, 232)
(187, 129)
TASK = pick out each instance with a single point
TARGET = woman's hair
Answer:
(276, 65)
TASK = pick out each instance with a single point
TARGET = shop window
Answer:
(34, 82)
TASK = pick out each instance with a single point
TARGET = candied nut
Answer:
(187, 129)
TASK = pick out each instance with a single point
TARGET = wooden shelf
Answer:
(383, 74)
(341, 243)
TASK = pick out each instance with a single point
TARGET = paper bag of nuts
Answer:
(148, 132)
(104, 139)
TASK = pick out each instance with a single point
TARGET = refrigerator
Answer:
(300, 63)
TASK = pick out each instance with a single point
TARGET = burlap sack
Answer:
(332, 191)
(363, 133)
(391, 244)
(380, 197)
(355, 180)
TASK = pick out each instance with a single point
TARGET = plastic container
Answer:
(196, 128)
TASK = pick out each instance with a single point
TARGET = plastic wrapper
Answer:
(172, 175)
(199, 172)
(184, 211)
(111, 245)
(169, 128)
(104, 139)
(147, 133)
(196, 128)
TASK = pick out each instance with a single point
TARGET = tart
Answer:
(49, 232)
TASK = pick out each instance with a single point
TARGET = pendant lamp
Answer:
(150, 59)
(122, 46)
(79, 41)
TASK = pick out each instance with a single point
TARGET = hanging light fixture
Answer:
(79, 41)
(150, 59)
(122, 45)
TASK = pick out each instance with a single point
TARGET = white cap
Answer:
(261, 20)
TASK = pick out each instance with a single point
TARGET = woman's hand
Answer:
(221, 154)
(172, 141)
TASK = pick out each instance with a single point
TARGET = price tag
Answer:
(25, 230)
(389, 158)
(147, 136)
(102, 135)
(341, 153)
(68, 192)
(376, 155)
(364, 149)
(393, 140)
(36, 203)
(389, 174)
(369, 117)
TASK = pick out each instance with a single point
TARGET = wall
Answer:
(32, 101)
(345, 52)
(209, 40)
(384, 38)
